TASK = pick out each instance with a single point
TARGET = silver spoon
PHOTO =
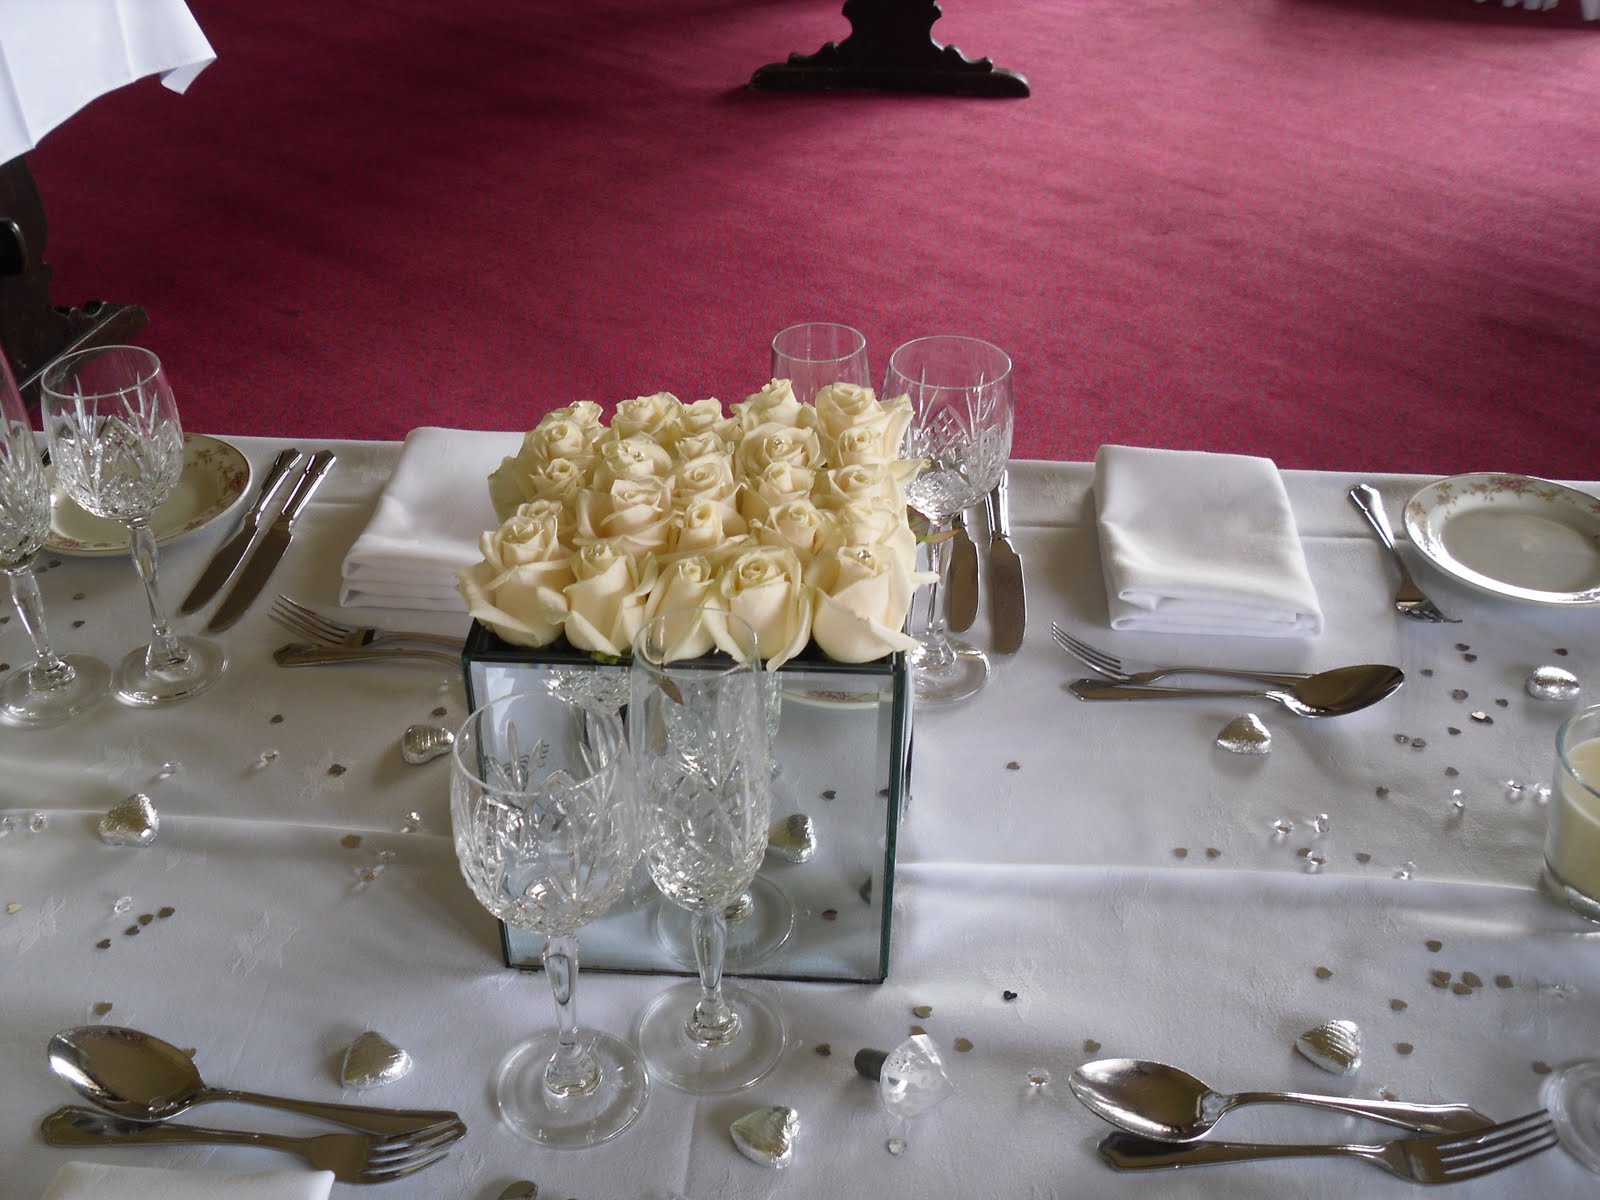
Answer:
(1171, 1105)
(142, 1078)
(1325, 694)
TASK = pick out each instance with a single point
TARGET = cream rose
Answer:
(709, 477)
(780, 483)
(697, 445)
(766, 587)
(656, 417)
(774, 404)
(636, 514)
(875, 523)
(607, 598)
(636, 457)
(799, 525)
(866, 483)
(519, 588)
(771, 444)
(511, 486)
(846, 406)
(706, 417)
(585, 414)
(685, 583)
(862, 597)
(705, 527)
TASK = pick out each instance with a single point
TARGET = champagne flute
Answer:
(698, 732)
(546, 835)
(815, 354)
(960, 391)
(53, 687)
(117, 446)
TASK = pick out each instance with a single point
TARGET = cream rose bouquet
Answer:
(789, 515)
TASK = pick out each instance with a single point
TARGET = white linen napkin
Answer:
(1200, 543)
(105, 1181)
(427, 522)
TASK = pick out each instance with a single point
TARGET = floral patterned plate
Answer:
(215, 478)
(1511, 535)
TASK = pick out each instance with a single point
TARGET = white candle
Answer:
(1572, 845)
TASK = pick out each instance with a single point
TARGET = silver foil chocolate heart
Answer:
(1553, 683)
(793, 838)
(767, 1135)
(132, 822)
(424, 743)
(1245, 735)
(372, 1060)
(1334, 1046)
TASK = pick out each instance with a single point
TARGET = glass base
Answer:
(751, 939)
(679, 1061)
(1580, 902)
(960, 679)
(571, 1122)
(1572, 1096)
(138, 685)
(27, 702)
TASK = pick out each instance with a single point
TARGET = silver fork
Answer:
(352, 1157)
(1409, 599)
(313, 626)
(1436, 1158)
(1115, 669)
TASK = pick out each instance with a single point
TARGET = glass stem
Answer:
(49, 669)
(572, 1070)
(166, 652)
(713, 1022)
(933, 650)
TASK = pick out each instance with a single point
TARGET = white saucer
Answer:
(1511, 535)
(215, 477)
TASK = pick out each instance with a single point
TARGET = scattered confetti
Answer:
(916, 1030)
(1324, 973)
(1458, 694)
(1451, 772)
(103, 944)
(1403, 738)
(1561, 650)
(1503, 981)
(830, 914)
(1439, 979)
(1397, 1005)
(146, 918)
(962, 1045)
(439, 712)
(1541, 1067)
(1471, 979)
(1382, 792)
(1481, 717)
(1038, 1079)
(1090, 1046)
(1470, 657)
(922, 1010)
(830, 794)
(350, 841)
(1403, 1047)
(1434, 944)
(13, 908)
(824, 1049)
(165, 911)
(1418, 743)
(1462, 646)
(1452, 730)
(1460, 989)
(1426, 672)
(101, 1007)
(895, 1146)
(131, 931)
(275, 719)
(1213, 852)
(1180, 852)
(1013, 766)
(1008, 995)
(337, 769)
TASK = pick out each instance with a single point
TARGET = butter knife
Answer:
(227, 558)
(1008, 602)
(264, 559)
(961, 592)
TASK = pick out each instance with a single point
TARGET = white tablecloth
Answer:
(56, 57)
(1106, 863)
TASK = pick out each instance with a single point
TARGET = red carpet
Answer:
(1343, 234)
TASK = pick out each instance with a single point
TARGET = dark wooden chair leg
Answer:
(33, 333)
(890, 48)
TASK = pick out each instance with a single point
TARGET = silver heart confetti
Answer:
(1334, 1046)
(1245, 735)
(424, 743)
(793, 838)
(132, 822)
(372, 1060)
(766, 1135)
(1553, 683)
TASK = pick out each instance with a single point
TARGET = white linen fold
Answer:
(1194, 542)
(108, 1181)
(427, 522)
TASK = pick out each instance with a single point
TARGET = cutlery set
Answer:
(136, 1082)
(1163, 1114)
(1008, 605)
(269, 549)
(330, 642)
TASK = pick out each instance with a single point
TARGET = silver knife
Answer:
(961, 591)
(274, 542)
(1008, 601)
(227, 558)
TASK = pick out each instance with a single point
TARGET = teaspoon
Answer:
(142, 1078)
(1325, 694)
(1171, 1105)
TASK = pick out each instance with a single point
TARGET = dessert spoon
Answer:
(142, 1078)
(1169, 1104)
(1325, 694)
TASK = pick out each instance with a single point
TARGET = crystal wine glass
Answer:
(547, 835)
(53, 687)
(813, 355)
(698, 733)
(117, 446)
(960, 390)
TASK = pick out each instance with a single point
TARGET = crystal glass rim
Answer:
(697, 664)
(860, 338)
(59, 368)
(607, 758)
(1564, 743)
(892, 369)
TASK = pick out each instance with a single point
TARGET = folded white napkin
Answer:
(427, 523)
(103, 1181)
(1200, 543)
